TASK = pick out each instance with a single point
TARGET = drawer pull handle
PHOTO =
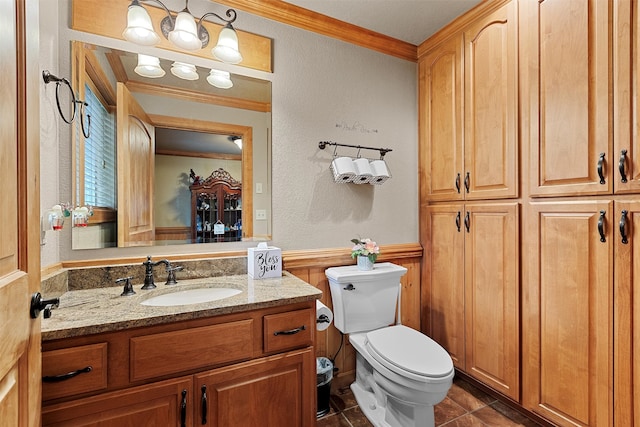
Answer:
(623, 174)
(601, 226)
(458, 221)
(67, 376)
(467, 183)
(600, 169)
(290, 331)
(623, 227)
(458, 183)
(204, 404)
(183, 409)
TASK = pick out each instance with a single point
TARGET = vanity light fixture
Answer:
(220, 79)
(149, 66)
(184, 71)
(237, 140)
(182, 30)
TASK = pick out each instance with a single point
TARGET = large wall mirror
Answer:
(159, 132)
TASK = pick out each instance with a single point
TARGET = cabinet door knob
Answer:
(623, 227)
(601, 226)
(623, 174)
(601, 169)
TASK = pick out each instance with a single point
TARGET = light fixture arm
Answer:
(167, 11)
(231, 14)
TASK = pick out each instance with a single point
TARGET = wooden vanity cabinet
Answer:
(154, 375)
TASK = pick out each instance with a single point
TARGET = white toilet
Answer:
(400, 372)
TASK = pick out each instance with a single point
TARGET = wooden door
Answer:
(157, 404)
(440, 120)
(566, 60)
(443, 278)
(274, 391)
(491, 106)
(627, 305)
(20, 390)
(626, 67)
(492, 297)
(136, 160)
(567, 310)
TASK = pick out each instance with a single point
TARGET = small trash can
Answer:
(324, 371)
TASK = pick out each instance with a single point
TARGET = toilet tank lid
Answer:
(351, 273)
(406, 349)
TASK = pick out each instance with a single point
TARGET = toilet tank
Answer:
(364, 300)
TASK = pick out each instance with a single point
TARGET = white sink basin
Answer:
(191, 296)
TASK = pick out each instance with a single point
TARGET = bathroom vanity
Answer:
(245, 360)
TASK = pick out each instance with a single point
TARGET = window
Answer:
(99, 156)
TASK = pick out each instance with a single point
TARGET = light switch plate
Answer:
(258, 188)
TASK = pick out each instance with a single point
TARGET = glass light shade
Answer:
(227, 48)
(185, 32)
(220, 79)
(139, 27)
(238, 142)
(149, 66)
(184, 71)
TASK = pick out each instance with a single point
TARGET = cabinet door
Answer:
(491, 106)
(273, 391)
(492, 341)
(627, 303)
(566, 104)
(443, 278)
(441, 112)
(625, 93)
(167, 403)
(567, 311)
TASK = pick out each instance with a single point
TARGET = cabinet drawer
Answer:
(288, 330)
(74, 370)
(178, 351)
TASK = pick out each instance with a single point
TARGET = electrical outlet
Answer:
(261, 214)
(258, 188)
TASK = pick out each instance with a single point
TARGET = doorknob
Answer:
(38, 304)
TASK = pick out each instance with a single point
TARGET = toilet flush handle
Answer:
(349, 287)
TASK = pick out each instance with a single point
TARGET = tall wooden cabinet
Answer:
(469, 152)
(473, 300)
(468, 113)
(216, 209)
(579, 124)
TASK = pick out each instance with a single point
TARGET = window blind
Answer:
(99, 155)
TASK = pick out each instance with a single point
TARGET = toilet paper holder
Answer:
(359, 170)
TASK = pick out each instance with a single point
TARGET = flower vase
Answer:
(364, 263)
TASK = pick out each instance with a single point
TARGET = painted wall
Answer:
(323, 90)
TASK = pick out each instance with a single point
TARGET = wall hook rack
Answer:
(323, 144)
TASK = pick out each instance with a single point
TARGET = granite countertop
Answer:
(90, 311)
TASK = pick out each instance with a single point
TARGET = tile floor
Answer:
(464, 406)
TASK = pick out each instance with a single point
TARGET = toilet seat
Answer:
(409, 353)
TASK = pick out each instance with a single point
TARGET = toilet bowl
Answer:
(400, 373)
